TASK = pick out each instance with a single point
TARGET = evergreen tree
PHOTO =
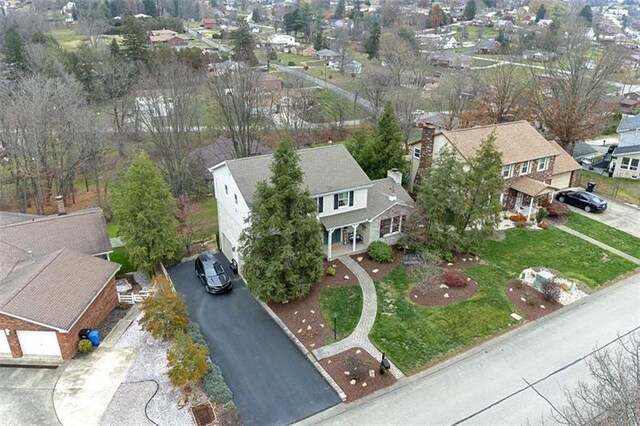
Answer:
(372, 45)
(587, 14)
(320, 41)
(13, 50)
(382, 151)
(282, 246)
(135, 40)
(541, 13)
(339, 13)
(150, 7)
(470, 211)
(470, 10)
(304, 17)
(114, 48)
(244, 45)
(144, 209)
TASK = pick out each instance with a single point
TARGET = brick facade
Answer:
(93, 316)
(426, 153)
(510, 195)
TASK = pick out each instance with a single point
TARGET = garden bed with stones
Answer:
(304, 317)
(530, 301)
(378, 270)
(357, 373)
(434, 292)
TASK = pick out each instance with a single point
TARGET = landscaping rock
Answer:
(510, 289)
(313, 345)
(358, 352)
(359, 259)
(308, 327)
(446, 295)
(372, 373)
(464, 259)
(346, 277)
(415, 296)
(449, 264)
(444, 286)
(295, 313)
(321, 325)
(329, 362)
(542, 307)
(313, 312)
(477, 258)
(364, 384)
(304, 320)
(375, 271)
(516, 316)
(523, 299)
(346, 373)
(299, 331)
(352, 382)
(468, 279)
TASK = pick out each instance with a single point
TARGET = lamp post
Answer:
(335, 326)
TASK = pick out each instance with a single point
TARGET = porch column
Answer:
(354, 237)
(530, 207)
(329, 243)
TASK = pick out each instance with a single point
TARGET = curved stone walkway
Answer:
(359, 338)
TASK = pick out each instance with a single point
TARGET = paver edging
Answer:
(304, 351)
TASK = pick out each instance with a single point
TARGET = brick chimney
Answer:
(60, 204)
(426, 153)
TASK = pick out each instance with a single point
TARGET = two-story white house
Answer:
(353, 210)
(626, 156)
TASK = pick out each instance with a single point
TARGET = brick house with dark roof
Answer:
(55, 279)
(533, 167)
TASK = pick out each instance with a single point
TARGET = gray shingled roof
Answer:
(629, 122)
(54, 289)
(377, 203)
(326, 169)
(222, 150)
(629, 143)
(84, 231)
(7, 218)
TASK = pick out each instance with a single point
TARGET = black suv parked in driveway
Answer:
(212, 274)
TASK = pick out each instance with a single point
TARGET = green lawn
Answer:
(67, 38)
(615, 238)
(333, 107)
(346, 303)
(413, 336)
(112, 230)
(120, 256)
(557, 250)
(205, 219)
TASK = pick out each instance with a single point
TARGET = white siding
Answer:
(561, 181)
(231, 215)
(626, 173)
(359, 202)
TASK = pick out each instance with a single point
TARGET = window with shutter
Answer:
(320, 204)
(350, 198)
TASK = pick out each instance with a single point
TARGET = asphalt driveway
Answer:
(26, 395)
(618, 215)
(272, 381)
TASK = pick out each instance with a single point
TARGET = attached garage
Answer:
(226, 246)
(39, 343)
(561, 180)
(4, 344)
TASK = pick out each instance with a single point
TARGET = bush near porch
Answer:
(413, 336)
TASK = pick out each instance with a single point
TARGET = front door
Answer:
(519, 199)
(336, 237)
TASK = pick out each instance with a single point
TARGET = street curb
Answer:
(305, 352)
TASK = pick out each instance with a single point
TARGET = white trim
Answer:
(528, 163)
(323, 194)
(387, 209)
(510, 170)
(104, 252)
(546, 164)
(34, 322)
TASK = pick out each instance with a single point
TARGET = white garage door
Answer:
(4, 344)
(43, 343)
(227, 247)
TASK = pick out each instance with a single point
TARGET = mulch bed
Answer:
(430, 292)
(337, 365)
(530, 307)
(382, 268)
(112, 319)
(304, 317)
(464, 259)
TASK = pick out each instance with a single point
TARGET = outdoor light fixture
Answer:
(335, 326)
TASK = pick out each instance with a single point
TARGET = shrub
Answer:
(187, 361)
(380, 251)
(540, 214)
(165, 313)
(356, 367)
(454, 278)
(520, 225)
(291, 63)
(557, 209)
(543, 225)
(551, 290)
(517, 217)
(85, 346)
(216, 389)
(193, 331)
(331, 270)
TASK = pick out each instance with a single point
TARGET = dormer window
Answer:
(543, 163)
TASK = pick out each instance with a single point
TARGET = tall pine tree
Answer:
(540, 14)
(244, 45)
(372, 45)
(587, 14)
(282, 246)
(339, 13)
(144, 210)
(470, 10)
(135, 40)
(13, 50)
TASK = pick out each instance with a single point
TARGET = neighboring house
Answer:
(267, 82)
(533, 167)
(208, 23)
(351, 67)
(489, 46)
(55, 279)
(283, 40)
(221, 68)
(309, 51)
(166, 37)
(326, 54)
(626, 156)
(538, 56)
(449, 43)
(545, 23)
(450, 60)
(504, 25)
(630, 102)
(349, 203)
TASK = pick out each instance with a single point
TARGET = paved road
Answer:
(272, 382)
(488, 385)
(208, 41)
(332, 87)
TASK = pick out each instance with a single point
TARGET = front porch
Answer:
(529, 194)
(345, 240)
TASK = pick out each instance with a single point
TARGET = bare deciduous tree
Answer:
(613, 394)
(242, 111)
(374, 86)
(571, 89)
(401, 58)
(451, 98)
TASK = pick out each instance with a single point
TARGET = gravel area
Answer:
(151, 365)
(127, 408)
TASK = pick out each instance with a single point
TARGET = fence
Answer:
(133, 298)
(626, 190)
